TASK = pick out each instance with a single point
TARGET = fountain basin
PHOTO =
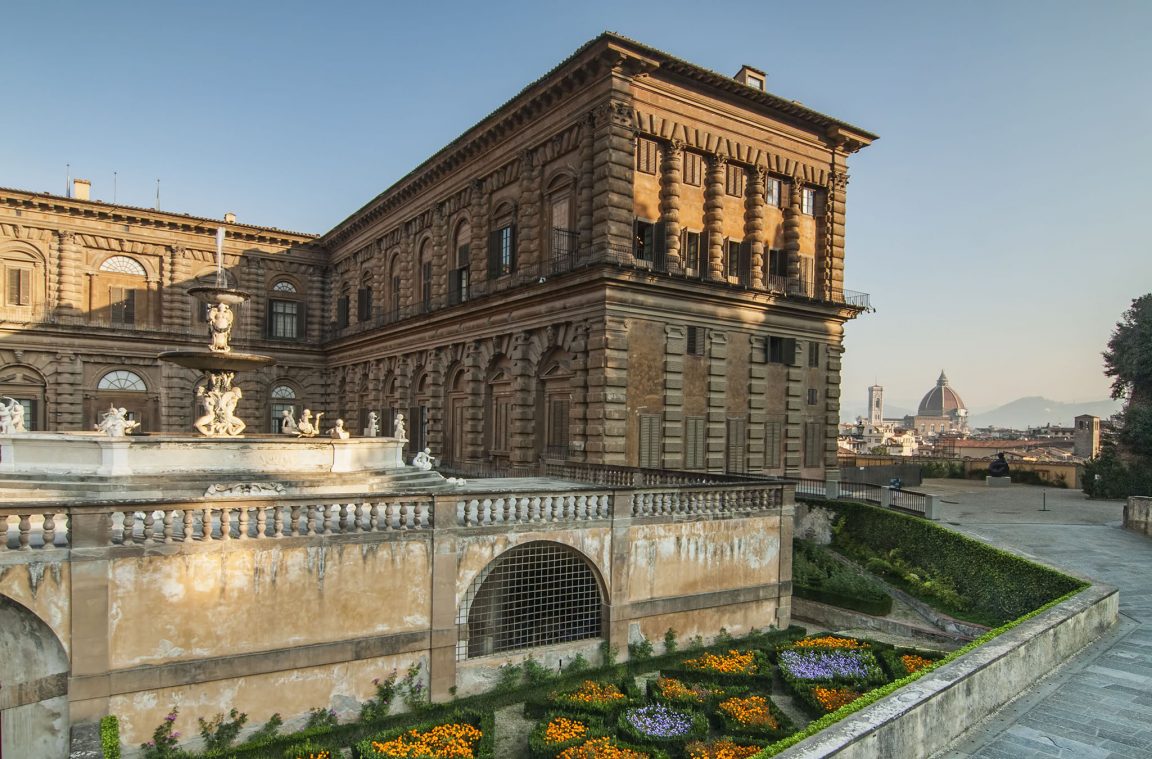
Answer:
(225, 295)
(209, 361)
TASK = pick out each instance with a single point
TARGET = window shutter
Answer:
(342, 311)
(454, 287)
(745, 263)
(494, 238)
(512, 247)
(735, 447)
(13, 287)
(130, 306)
(790, 351)
(650, 440)
(269, 308)
(660, 246)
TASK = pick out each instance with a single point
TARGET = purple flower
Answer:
(828, 665)
(659, 721)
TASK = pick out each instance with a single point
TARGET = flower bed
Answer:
(822, 699)
(591, 697)
(608, 748)
(857, 667)
(901, 662)
(748, 668)
(467, 735)
(752, 715)
(670, 690)
(722, 748)
(661, 726)
(557, 732)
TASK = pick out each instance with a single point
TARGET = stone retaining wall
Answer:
(925, 716)
(1138, 515)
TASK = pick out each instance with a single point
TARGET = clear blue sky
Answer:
(1000, 223)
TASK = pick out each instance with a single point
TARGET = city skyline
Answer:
(1003, 163)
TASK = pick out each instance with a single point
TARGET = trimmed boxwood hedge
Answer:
(735, 729)
(110, 736)
(761, 681)
(538, 749)
(999, 586)
(482, 720)
(552, 701)
(891, 661)
(673, 745)
(818, 577)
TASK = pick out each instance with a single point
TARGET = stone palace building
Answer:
(635, 261)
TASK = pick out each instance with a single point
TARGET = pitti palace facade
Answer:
(635, 261)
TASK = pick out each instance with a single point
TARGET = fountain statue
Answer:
(221, 395)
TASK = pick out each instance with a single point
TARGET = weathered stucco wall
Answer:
(1138, 515)
(45, 589)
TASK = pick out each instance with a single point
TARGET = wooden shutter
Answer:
(511, 247)
(735, 446)
(651, 442)
(301, 321)
(363, 303)
(342, 311)
(745, 263)
(660, 246)
(13, 286)
(694, 439)
(789, 351)
(494, 238)
(773, 439)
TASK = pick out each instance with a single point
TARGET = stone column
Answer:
(794, 401)
(70, 264)
(528, 213)
(479, 223)
(831, 393)
(834, 232)
(578, 398)
(445, 570)
(675, 343)
(612, 196)
(717, 431)
(523, 441)
(671, 173)
(714, 216)
(754, 224)
(607, 391)
(791, 212)
(584, 186)
(174, 315)
(63, 394)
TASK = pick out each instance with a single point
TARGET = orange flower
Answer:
(600, 748)
(829, 641)
(672, 688)
(453, 741)
(733, 663)
(562, 730)
(595, 693)
(751, 711)
(832, 699)
(721, 749)
(913, 663)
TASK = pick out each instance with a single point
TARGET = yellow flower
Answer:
(832, 699)
(600, 748)
(562, 730)
(913, 663)
(452, 741)
(829, 641)
(733, 663)
(751, 711)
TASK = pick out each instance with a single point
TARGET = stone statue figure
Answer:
(15, 416)
(115, 422)
(227, 421)
(398, 430)
(203, 423)
(220, 319)
(338, 432)
(306, 427)
(287, 422)
(5, 420)
(423, 460)
(219, 418)
(373, 428)
(999, 467)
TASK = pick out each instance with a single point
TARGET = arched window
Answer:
(26, 386)
(502, 242)
(342, 307)
(281, 398)
(562, 215)
(425, 295)
(460, 281)
(123, 265)
(285, 312)
(122, 380)
(553, 404)
(535, 594)
(121, 292)
(23, 277)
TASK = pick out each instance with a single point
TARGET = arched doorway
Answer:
(26, 386)
(34, 666)
(535, 594)
(456, 417)
(124, 388)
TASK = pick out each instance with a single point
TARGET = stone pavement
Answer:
(1099, 704)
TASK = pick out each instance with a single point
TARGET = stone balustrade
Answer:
(707, 502)
(532, 509)
(25, 530)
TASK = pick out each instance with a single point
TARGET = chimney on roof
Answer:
(229, 218)
(81, 189)
(754, 78)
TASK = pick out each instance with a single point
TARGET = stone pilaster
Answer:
(441, 255)
(754, 224)
(479, 223)
(435, 368)
(794, 420)
(831, 393)
(792, 236)
(409, 268)
(578, 397)
(523, 442)
(671, 176)
(584, 185)
(834, 225)
(607, 391)
(757, 412)
(528, 213)
(675, 344)
(613, 161)
(474, 412)
(717, 399)
(70, 264)
(714, 216)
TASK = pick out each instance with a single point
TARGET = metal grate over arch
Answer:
(533, 595)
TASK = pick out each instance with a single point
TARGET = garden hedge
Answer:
(110, 736)
(818, 577)
(999, 586)
(483, 720)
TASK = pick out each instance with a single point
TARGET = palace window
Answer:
(695, 442)
(772, 191)
(651, 440)
(364, 304)
(814, 354)
(693, 168)
(647, 155)
(425, 296)
(123, 265)
(122, 305)
(735, 446)
(342, 310)
(502, 251)
(813, 396)
(285, 312)
(695, 341)
(807, 201)
(782, 350)
(535, 594)
(644, 240)
(734, 180)
(777, 268)
(283, 398)
(19, 281)
(460, 281)
(773, 443)
(122, 380)
(813, 444)
(695, 255)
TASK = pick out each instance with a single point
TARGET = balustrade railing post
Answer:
(886, 497)
(931, 504)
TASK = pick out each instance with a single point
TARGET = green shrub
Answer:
(482, 720)
(379, 705)
(641, 650)
(110, 736)
(219, 732)
(536, 673)
(994, 585)
(819, 577)
(670, 641)
(576, 665)
(164, 739)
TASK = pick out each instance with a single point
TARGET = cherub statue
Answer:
(16, 414)
(287, 422)
(205, 424)
(373, 428)
(398, 430)
(423, 460)
(115, 422)
(220, 319)
(5, 420)
(306, 427)
(338, 432)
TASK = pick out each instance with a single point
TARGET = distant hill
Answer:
(1035, 411)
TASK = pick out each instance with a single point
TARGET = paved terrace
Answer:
(1098, 705)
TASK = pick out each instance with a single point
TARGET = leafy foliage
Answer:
(819, 577)
(219, 732)
(110, 736)
(1128, 359)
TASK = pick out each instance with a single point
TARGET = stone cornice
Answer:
(166, 222)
